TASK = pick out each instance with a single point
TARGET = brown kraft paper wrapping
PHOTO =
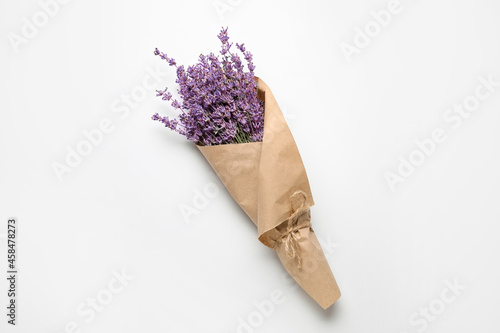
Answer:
(269, 182)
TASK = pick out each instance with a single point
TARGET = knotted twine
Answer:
(290, 237)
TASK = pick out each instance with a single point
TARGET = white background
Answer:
(392, 252)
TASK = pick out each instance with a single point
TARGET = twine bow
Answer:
(290, 236)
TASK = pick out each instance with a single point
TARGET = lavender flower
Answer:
(219, 98)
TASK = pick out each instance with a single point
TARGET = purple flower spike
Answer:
(223, 36)
(241, 47)
(167, 96)
(176, 104)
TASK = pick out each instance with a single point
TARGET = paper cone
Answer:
(269, 182)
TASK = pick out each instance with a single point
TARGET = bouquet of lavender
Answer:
(234, 120)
